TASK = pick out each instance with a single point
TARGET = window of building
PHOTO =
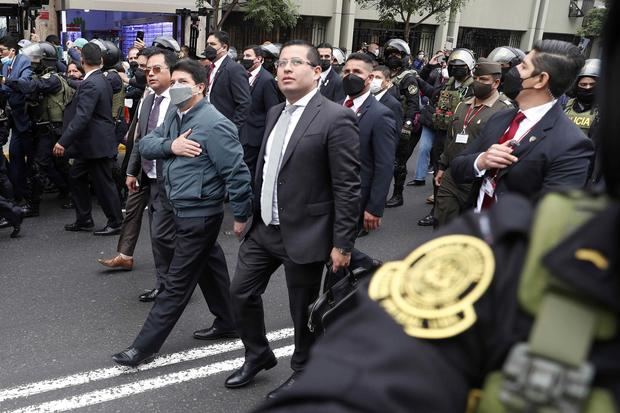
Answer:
(368, 31)
(483, 41)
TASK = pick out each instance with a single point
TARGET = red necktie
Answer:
(488, 201)
(348, 103)
(211, 69)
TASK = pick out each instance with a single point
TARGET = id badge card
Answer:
(462, 138)
(488, 187)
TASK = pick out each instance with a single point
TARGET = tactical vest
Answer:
(55, 104)
(583, 120)
(118, 99)
(449, 99)
(550, 373)
(397, 80)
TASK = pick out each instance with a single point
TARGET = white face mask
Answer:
(376, 86)
(181, 93)
(444, 73)
(420, 56)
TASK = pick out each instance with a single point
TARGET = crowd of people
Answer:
(303, 145)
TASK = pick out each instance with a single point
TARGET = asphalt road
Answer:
(63, 315)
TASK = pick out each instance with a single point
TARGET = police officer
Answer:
(396, 54)
(111, 56)
(469, 118)
(508, 57)
(582, 109)
(48, 94)
(458, 88)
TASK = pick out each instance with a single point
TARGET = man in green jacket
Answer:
(203, 160)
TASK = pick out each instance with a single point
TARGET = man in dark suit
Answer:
(308, 192)
(229, 90)
(378, 140)
(385, 93)
(534, 149)
(330, 84)
(88, 137)
(264, 95)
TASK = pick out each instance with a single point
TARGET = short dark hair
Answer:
(169, 56)
(221, 36)
(91, 54)
(78, 66)
(257, 50)
(387, 73)
(312, 54)
(561, 60)
(361, 56)
(192, 67)
(9, 42)
(326, 45)
(148, 51)
(53, 39)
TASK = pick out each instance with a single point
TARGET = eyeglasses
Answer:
(294, 62)
(155, 69)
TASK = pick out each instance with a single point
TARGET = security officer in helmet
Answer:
(520, 303)
(396, 54)
(508, 57)
(167, 43)
(270, 56)
(582, 109)
(48, 93)
(111, 56)
(457, 89)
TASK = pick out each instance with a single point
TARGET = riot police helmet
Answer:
(396, 44)
(49, 57)
(462, 56)
(270, 50)
(339, 55)
(506, 55)
(33, 51)
(592, 68)
(168, 43)
(110, 53)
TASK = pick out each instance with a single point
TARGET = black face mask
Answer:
(247, 63)
(133, 66)
(482, 90)
(458, 72)
(337, 68)
(585, 95)
(513, 83)
(353, 85)
(210, 53)
(394, 62)
(269, 65)
(325, 64)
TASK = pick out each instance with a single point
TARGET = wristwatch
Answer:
(344, 251)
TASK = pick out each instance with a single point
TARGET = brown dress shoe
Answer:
(117, 263)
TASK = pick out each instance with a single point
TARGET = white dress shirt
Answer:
(379, 95)
(87, 74)
(253, 75)
(324, 76)
(301, 106)
(358, 101)
(217, 65)
(150, 166)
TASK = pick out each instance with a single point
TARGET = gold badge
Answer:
(431, 292)
(413, 89)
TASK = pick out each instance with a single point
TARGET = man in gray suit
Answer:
(308, 194)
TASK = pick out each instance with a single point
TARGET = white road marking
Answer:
(110, 372)
(130, 389)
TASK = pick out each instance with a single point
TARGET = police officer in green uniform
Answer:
(582, 109)
(458, 88)
(396, 55)
(48, 94)
(469, 118)
(520, 302)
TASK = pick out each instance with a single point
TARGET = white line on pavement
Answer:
(130, 389)
(110, 372)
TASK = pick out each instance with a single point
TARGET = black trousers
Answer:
(45, 161)
(9, 211)
(260, 255)
(250, 157)
(100, 172)
(6, 188)
(195, 240)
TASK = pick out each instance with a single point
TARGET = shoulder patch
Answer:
(431, 292)
(46, 76)
(412, 89)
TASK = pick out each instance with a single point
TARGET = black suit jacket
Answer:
(88, 127)
(332, 87)
(318, 181)
(378, 140)
(265, 95)
(555, 154)
(230, 92)
(395, 106)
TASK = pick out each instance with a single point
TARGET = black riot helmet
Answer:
(168, 43)
(506, 56)
(400, 47)
(41, 54)
(109, 52)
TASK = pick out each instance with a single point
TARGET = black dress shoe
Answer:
(214, 333)
(149, 295)
(249, 370)
(132, 357)
(108, 230)
(427, 221)
(80, 226)
(4, 223)
(29, 211)
(362, 233)
(290, 382)
(395, 201)
(17, 225)
(416, 182)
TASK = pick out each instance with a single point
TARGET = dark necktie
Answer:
(488, 201)
(211, 69)
(154, 114)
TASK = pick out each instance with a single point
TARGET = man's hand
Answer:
(439, 177)
(371, 222)
(182, 146)
(238, 228)
(339, 260)
(497, 157)
(139, 44)
(58, 151)
(132, 184)
(433, 60)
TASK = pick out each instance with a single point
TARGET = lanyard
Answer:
(467, 121)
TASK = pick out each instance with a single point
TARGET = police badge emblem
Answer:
(413, 89)
(431, 293)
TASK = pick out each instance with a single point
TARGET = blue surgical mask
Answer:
(6, 60)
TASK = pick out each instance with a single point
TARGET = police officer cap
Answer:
(487, 67)
(506, 54)
(398, 44)
(462, 57)
(270, 49)
(592, 68)
(168, 43)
